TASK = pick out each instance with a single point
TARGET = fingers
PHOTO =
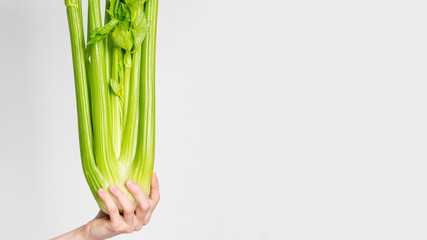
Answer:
(112, 209)
(128, 209)
(154, 197)
(154, 193)
(131, 221)
(142, 201)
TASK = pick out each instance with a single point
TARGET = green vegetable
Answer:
(114, 78)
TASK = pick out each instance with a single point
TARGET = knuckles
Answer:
(112, 209)
(128, 230)
(115, 226)
(138, 227)
(121, 228)
(125, 229)
(145, 207)
(128, 211)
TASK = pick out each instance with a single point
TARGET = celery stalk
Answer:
(142, 167)
(114, 76)
(75, 22)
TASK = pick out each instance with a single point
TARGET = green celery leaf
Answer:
(123, 12)
(117, 88)
(122, 38)
(140, 29)
(99, 33)
(127, 60)
(111, 11)
(134, 7)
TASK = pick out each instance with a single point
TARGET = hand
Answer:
(105, 226)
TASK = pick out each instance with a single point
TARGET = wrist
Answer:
(84, 232)
(77, 234)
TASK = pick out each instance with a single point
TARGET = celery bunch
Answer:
(114, 75)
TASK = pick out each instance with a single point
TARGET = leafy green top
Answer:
(128, 25)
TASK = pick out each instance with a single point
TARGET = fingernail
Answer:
(131, 183)
(113, 187)
(101, 191)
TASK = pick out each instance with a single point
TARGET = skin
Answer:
(105, 226)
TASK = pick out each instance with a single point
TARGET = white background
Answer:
(275, 120)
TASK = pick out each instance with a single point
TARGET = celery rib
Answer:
(142, 166)
(75, 21)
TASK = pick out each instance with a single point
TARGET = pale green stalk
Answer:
(116, 102)
(107, 46)
(127, 60)
(75, 22)
(131, 106)
(107, 70)
(142, 166)
(131, 123)
(104, 154)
